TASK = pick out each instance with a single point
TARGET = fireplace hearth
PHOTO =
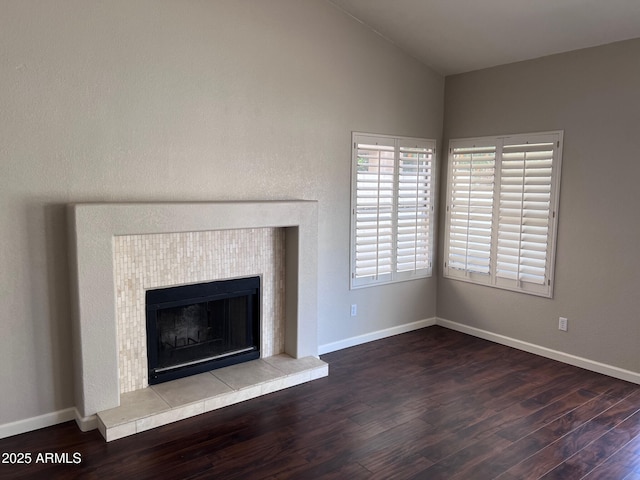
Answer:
(196, 328)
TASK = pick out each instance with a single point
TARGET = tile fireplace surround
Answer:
(101, 400)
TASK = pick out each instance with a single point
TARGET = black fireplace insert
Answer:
(196, 328)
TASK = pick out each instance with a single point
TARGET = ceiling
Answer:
(455, 36)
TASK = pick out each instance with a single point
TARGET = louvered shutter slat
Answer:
(470, 208)
(374, 209)
(413, 236)
(525, 203)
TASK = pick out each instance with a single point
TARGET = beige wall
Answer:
(594, 96)
(185, 100)
(256, 99)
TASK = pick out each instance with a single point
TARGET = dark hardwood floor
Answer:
(428, 404)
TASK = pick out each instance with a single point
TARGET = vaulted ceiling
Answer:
(455, 36)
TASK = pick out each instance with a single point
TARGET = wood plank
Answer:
(432, 403)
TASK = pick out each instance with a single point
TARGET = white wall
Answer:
(185, 100)
(593, 96)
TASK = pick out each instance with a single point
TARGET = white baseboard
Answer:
(36, 423)
(377, 335)
(90, 423)
(86, 423)
(574, 360)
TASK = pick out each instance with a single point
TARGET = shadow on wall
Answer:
(49, 303)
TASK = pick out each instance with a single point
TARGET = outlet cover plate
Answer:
(563, 324)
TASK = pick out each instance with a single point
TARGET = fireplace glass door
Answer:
(195, 328)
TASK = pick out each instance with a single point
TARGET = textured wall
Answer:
(593, 96)
(179, 101)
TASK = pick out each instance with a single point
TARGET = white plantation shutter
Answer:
(375, 173)
(525, 211)
(392, 209)
(414, 207)
(471, 208)
(506, 239)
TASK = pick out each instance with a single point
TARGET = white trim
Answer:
(377, 335)
(563, 357)
(36, 423)
(86, 423)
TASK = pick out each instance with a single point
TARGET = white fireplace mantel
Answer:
(92, 227)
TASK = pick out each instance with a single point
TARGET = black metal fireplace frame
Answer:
(184, 295)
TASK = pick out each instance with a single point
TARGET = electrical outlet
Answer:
(562, 324)
(354, 310)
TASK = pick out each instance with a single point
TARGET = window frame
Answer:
(398, 143)
(492, 278)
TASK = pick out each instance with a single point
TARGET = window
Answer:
(391, 208)
(502, 204)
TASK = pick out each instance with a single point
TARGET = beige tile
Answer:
(274, 385)
(232, 398)
(205, 392)
(101, 428)
(298, 378)
(133, 405)
(319, 372)
(291, 365)
(247, 374)
(148, 261)
(170, 416)
(120, 431)
(191, 389)
(220, 401)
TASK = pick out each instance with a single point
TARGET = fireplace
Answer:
(95, 231)
(196, 328)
